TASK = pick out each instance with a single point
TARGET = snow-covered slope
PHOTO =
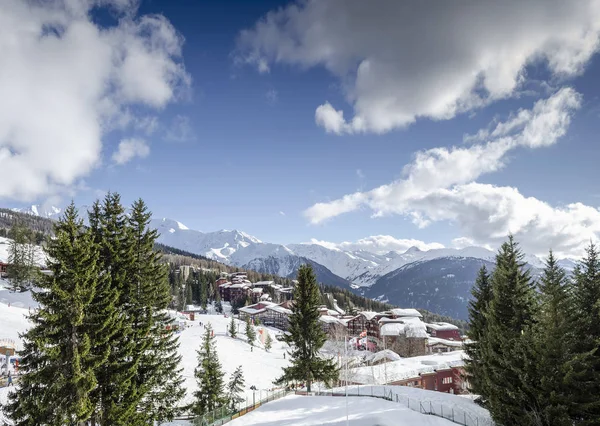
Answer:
(331, 411)
(220, 245)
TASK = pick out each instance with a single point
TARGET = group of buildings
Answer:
(429, 355)
(236, 286)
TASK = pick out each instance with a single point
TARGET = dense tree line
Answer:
(23, 257)
(40, 226)
(534, 359)
(99, 350)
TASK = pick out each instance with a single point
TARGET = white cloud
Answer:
(360, 174)
(379, 244)
(282, 213)
(65, 82)
(129, 149)
(439, 186)
(399, 61)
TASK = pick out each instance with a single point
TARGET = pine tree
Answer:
(553, 347)
(104, 316)
(584, 367)
(57, 363)
(158, 377)
(306, 337)
(478, 306)
(117, 393)
(506, 354)
(250, 332)
(232, 328)
(235, 387)
(210, 394)
(268, 342)
(218, 306)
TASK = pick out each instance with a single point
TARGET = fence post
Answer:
(452, 413)
(430, 408)
(465, 413)
(442, 407)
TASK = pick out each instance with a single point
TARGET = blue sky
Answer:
(247, 131)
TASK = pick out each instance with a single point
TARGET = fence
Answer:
(225, 414)
(459, 414)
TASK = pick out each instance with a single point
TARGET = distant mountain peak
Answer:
(413, 249)
(40, 211)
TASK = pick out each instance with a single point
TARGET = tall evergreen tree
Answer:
(117, 393)
(506, 356)
(478, 306)
(250, 332)
(584, 373)
(234, 388)
(57, 363)
(210, 394)
(158, 386)
(232, 327)
(306, 337)
(104, 316)
(553, 347)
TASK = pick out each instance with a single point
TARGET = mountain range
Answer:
(438, 280)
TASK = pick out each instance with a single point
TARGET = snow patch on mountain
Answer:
(49, 212)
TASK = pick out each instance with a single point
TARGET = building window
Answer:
(447, 380)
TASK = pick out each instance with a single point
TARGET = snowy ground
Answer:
(260, 367)
(331, 411)
(421, 400)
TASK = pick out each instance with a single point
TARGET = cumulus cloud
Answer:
(379, 244)
(398, 61)
(129, 149)
(439, 185)
(65, 82)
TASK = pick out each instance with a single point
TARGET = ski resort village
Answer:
(391, 364)
(299, 213)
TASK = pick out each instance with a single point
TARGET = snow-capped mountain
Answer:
(361, 268)
(219, 245)
(49, 212)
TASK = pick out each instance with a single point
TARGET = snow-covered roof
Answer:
(239, 285)
(330, 320)
(224, 285)
(406, 368)
(384, 354)
(279, 309)
(252, 311)
(437, 341)
(257, 290)
(369, 315)
(264, 283)
(439, 326)
(409, 312)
